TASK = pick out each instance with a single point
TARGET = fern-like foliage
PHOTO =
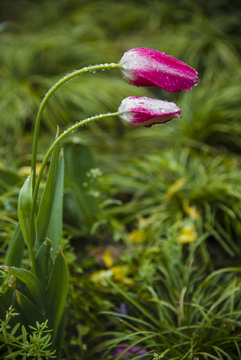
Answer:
(16, 342)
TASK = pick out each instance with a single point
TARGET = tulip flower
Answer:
(143, 111)
(147, 67)
(134, 349)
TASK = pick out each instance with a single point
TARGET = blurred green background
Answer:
(176, 184)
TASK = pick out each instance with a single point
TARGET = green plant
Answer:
(16, 341)
(184, 314)
(193, 186)
(41, 293)
(174, 186)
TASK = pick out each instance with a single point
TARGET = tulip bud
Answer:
(143, 111)
(147, 67)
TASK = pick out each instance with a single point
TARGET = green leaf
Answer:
(24, 210)
(6, 298)
(79, 206)
(32, 283)
(28, 312)
(59, 337)
(44, 263)
(56, 293)
(47, 199)
(136, 304)
(15, 329)
(54, 231)
(15, 248)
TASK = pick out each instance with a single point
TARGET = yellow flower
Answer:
(188, 234)
(100, 277)
(108, 258)
(176, 187)
(117, 273)
(191, 211)
(137, 236)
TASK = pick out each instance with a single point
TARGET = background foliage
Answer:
(155, 211)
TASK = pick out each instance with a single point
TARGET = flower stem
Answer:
(43, 104)
(45, 160)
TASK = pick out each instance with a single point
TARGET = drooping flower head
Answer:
(147, 67)
(143, 111)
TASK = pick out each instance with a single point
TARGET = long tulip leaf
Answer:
(46, 203)
(15, 248)
(56, 293)
(32, 283)
(54, 231)
(80, 206)
(28, 312)
(44, 263)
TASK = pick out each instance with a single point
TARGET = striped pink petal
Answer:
(147, 67)
(143, 111)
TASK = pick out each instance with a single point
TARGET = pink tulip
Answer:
(143, 111)
(147, 67)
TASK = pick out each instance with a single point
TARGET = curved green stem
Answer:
(45, 160)
(43, 104)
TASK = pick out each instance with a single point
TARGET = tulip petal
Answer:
(143, 111)
(147, 67)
